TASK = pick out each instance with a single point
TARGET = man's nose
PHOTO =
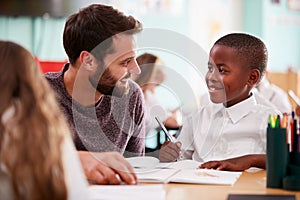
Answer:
(134, 68)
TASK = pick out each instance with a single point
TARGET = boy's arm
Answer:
(238, 163)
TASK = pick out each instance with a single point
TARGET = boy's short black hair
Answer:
(250, 48)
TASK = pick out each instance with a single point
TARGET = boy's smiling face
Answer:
(228, 80)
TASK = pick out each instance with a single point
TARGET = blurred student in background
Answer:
(153, 75)
(274, 94)
(37, 156)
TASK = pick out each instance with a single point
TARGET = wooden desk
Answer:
(248, 183)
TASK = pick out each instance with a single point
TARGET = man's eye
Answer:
(125, 63)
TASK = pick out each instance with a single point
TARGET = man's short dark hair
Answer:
(92, 26)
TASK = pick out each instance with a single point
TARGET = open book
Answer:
(149, 169)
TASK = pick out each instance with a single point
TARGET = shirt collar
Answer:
(241, 109)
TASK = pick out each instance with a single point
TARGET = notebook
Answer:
(149, 169)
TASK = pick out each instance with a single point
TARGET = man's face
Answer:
(119, 65)
(227, 76)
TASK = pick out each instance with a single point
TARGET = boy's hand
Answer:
(228, 165)
(170, 152)
(238, 163)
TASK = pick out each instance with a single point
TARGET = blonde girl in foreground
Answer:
(37, 156)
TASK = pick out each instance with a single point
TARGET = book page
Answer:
(182, 164)
(148, 162)
(206, 176)
(149, 169)
(155, 175)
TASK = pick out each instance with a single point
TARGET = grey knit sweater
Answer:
(113, 124)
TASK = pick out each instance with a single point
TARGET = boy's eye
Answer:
(221, 70)
(210, 68)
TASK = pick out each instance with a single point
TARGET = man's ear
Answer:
(87, 60)
(254, 77)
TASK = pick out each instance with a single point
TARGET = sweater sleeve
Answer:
(136, 143)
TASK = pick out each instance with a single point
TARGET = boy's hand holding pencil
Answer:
(170, 150)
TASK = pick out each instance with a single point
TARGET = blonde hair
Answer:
(31, 140)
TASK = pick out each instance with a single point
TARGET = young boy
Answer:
(233, 127)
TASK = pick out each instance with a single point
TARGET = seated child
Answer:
(230, 132)
(274, 94)
(37, 155)
(153, 75)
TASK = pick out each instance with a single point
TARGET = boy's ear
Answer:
(254, 77)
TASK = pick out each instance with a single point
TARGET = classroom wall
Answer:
(252, 23)
(18, 29)
(281, 32)
(42, 36)
(199, 22)
(279, 26)
(273, 22)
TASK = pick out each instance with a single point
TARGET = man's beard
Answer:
(108, 85)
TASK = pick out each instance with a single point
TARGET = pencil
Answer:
(171, 138)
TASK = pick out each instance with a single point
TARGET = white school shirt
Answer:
(216, 133)
(75, 179)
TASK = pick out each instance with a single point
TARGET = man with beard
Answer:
(103, 106)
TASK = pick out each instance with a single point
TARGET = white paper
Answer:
(155, 175)
(126, 192)
(149, 169)
(205, 176)
(148, 162)
(182, 164)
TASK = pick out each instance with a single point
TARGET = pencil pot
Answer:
(292, 180)
(295, 158)
(277, 157)
(293, 168)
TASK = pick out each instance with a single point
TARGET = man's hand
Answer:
(107, 168)
(169, 152)
(237, 164)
